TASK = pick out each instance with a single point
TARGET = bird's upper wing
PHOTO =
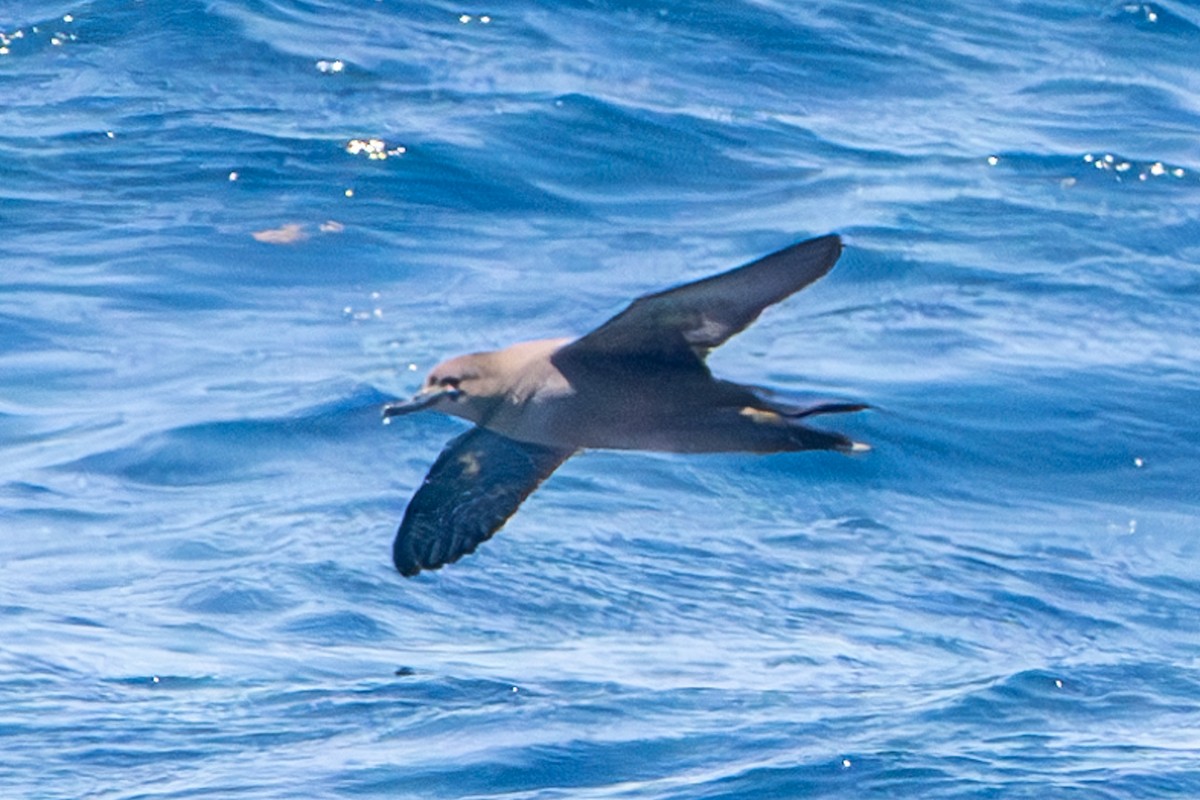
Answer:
(681, 325)
(476, 484)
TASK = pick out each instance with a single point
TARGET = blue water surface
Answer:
(209, 286)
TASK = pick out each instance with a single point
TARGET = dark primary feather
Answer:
(681, 325)
(476, 484)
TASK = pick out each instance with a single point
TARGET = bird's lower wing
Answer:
(475, 485)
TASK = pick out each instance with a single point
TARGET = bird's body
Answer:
(638, 382)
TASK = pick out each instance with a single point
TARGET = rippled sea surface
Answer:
(208, 287)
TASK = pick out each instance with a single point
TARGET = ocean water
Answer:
(208, 287)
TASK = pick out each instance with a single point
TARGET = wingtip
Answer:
(411, 561)
(837, 245)
(404, 562)
(833, 241)
(820, 252)
(407, 570)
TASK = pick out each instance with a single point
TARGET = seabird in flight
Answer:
(638, 382)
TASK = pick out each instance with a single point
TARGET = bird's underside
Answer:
(639, 381)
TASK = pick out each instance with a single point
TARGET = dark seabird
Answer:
(638, 382)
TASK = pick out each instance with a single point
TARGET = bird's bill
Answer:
(417, 402)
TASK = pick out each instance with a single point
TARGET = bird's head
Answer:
(462, 387)
(476, 385)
